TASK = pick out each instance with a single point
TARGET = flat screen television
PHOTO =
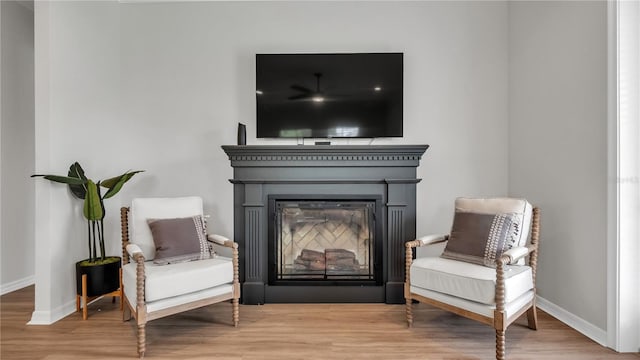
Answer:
(346, 95)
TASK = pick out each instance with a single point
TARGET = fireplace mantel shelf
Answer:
(318, 155)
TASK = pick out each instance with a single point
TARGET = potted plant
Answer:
(103, 272)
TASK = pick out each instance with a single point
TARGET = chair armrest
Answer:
(136, 254)
(512, 255)
(221, 240)
(509, 257)
(428, 240)
(133, 249)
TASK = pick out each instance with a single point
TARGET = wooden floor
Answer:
(284, 331)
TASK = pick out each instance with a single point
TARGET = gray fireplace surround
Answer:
(264, 172)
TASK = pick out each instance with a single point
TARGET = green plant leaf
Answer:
(93, 207)
(104, 213)
(92, 203)
(76, 171)
(61, 179)
(114, 184)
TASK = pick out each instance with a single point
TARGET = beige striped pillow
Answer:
(482, 238)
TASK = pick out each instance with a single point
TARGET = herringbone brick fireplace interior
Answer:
(325, 240)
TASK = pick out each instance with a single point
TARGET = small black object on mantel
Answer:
(242, 134)
(323, 143)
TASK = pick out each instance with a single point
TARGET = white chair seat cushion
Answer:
(221, 290)
(165, 281)
(468, 281)
(510, 308)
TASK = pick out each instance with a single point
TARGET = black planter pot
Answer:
(101, 278)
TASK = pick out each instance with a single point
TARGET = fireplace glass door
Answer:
(323, 241)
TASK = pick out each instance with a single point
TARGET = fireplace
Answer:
(323, 223)
(320, 241)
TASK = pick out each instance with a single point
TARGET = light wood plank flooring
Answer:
(282, 332)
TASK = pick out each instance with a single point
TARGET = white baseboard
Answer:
(49, 317)
(17, 285)
(40, 317)
(582, 326)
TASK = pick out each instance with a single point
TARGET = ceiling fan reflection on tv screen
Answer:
(308, 94)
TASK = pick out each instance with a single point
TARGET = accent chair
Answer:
(170, 263)
(482, 273)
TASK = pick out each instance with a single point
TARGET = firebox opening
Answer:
(324, 241)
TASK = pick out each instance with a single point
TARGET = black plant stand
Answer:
(83, 300)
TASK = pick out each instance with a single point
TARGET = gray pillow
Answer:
(482, 238)
(179, 240)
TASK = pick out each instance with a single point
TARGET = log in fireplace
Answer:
(323, 223)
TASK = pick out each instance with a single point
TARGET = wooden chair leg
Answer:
(409, 312)
(121, 291)
(532, 318)
(142, 341)
(126, 313)
(500, 344)
(236, 312)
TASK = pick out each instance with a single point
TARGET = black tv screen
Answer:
(329, 95)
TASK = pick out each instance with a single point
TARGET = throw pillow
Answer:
(482, 238)
(179, 240)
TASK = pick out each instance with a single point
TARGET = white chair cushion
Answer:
(468, 281)
(158, 208)
(510, 308)
(500, 206)
(165, 281)
(218, 291)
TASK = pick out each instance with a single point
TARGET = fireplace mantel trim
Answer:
(320, 155)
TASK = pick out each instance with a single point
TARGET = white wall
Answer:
(162, 86)
(17, 147)
(558, 148)
(77, 110)
(195, 62)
